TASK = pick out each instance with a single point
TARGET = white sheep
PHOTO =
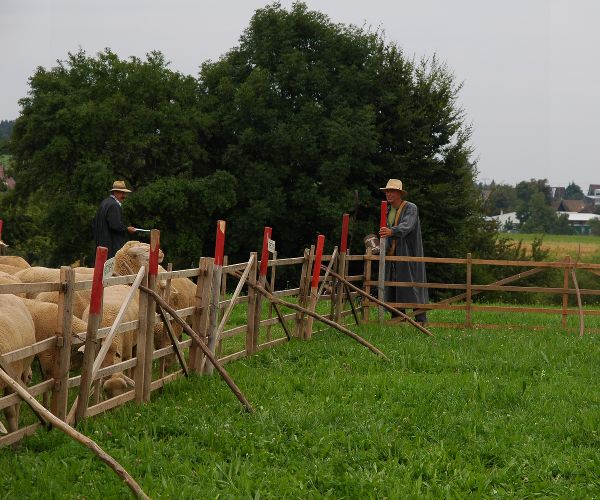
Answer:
(14, 261)
(46, 274)
(16, 331)
(130, 258)
(9, 279)
(46, 323)
(10, 269)
(122, 346)
(81, 299)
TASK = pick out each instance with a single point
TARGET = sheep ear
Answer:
(3, 429)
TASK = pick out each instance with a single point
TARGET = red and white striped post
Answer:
(381, 271)
(213, 307)
(94, 319)
(341, 269)
(312, 305)
(151, 313)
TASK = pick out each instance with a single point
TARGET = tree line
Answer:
(533, 202)
(304, 120)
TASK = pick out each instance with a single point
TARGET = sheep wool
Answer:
(16, 331)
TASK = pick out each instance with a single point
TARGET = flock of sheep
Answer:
(25, 320)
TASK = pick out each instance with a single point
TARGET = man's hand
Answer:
(385, 232)
(131, 229)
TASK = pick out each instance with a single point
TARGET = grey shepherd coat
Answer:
(408, 243)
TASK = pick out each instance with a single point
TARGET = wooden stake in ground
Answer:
(69, 431)
(159, 300)
(320, 318)
(383, 304)
(217, 272)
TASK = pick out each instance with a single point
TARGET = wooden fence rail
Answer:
(567, 265)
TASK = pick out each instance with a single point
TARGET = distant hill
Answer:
(6, 127)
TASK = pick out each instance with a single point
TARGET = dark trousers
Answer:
(421, 317)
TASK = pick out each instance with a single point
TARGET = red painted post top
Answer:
(264, 256)
(344, 240)
(220, 243)
(1, 224)
(154, 252)
(97, 286)
(317, 266)
(383, 220)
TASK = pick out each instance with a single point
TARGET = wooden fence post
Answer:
(366, 310)
(166, 295)
(381, 270)
(312, 304)
(213, 308)
(262, 279)
(339, 294)
(63, 351)
(200, 316)
(140, 358)
(270, 314)
(1, 245)
(468, 322)
(565, 297)
(151, 316)
(91, 342)
(251, 324)
(224, 278)
(223, 297)
(302, 290)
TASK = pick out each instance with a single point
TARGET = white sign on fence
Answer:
(271, 246)
(109, 266)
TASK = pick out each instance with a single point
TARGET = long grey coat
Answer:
(408, 243)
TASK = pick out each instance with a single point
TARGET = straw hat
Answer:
(120, 186)
(394, 184)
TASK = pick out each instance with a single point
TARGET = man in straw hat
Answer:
(109, 230)
(403, 233)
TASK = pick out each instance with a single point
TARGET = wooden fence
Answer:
(257, 332)
(258, 329)
(570, 287)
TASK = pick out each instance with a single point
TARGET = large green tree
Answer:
(91, 120)
(306, 113)
(304, 120)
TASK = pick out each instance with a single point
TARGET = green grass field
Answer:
(503, 413)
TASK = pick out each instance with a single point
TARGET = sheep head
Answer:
(132, 256)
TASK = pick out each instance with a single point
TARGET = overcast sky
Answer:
(530, 68)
